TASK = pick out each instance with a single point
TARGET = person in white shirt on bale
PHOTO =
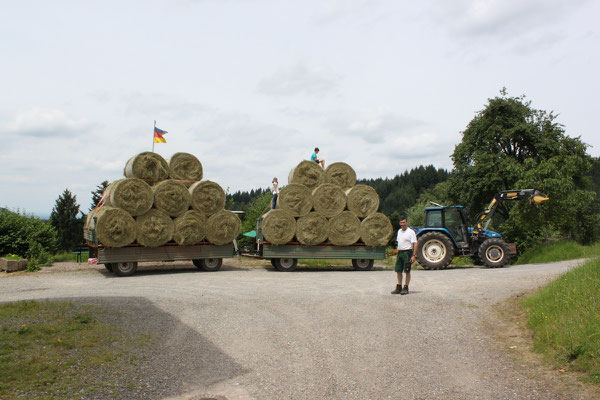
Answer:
(407, 248)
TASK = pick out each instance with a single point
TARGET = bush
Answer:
(18, 232)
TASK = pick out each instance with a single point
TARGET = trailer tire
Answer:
(124, 268)
(109, 266)
(272, 262)
(494, 253)
(208, 264)
(286, 264)
(435, 250)
(362, 264)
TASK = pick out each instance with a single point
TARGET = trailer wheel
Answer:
(272, 262)
(362, 264)
(435, 250)
(208, 264)
(494, 253)
(286, 264)
(124, 268)
(109, 266)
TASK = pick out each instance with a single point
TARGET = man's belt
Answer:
(404, 251)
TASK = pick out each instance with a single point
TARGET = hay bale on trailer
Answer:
(223, 227)
(340, 174)
(130, 194)
(185, 167)
(363, 200)
(190, 228)
(312, 229)
(329, 200)
(207, 197)
(154, 228)
(148, 166)
(307, 173)
(278, 226)
(114, 227)
(376, 230)
(295, 199)
(172, 197)
(344, 229)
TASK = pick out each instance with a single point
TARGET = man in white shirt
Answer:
(407, 248)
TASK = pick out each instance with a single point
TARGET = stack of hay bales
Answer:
(160, 201)
(326, 205)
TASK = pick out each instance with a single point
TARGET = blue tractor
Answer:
(447, 234)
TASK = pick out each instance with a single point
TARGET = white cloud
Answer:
(300, 79)
(45, 123)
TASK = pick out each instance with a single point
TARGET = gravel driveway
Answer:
(249, 332)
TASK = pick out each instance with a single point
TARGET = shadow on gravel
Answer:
(172, 356)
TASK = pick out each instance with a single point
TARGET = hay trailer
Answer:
(285, 257)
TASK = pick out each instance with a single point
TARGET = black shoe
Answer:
(404, 290)
(398, 290)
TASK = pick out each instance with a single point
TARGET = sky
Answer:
(251, 87)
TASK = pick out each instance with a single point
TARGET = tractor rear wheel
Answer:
(435, 250)
(494, 253)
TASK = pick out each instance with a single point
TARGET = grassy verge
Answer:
(322, 263)
(558, 251)
(61, 350)
(565, 320)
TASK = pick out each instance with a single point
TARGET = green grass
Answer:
(558, 251)
(60, 350)
(565, 319)
(321, 263)
(12, 257)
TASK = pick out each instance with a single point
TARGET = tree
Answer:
(98, 193)
(255, 209)
(64, 219)
(511, 145)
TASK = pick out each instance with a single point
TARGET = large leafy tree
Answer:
(64, 219)
(97, 194)
(511, 145)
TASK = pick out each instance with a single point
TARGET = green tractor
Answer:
(446, 233)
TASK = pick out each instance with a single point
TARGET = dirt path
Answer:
(263, 334)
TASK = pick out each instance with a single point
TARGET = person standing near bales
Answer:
(407, 248)
(275, 193)
(317, 160)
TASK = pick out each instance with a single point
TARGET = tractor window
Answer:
(434, 219)
(454, 224)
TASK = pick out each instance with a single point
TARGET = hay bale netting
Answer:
(154, 228)
(148, 166)
(222, 227)
(278, 226)
(307, 173)
(131, 194)
(328, 199)
(312, 229)
(362, 200)
(185, 167)
(190, 228)
(340, 174)
(114, 227)
(296, 199)
(344, 229)
(172, 197)
(376, 230)
(207, 197)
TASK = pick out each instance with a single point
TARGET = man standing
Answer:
(407, 248)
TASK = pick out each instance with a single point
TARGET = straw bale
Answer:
(190, 228)
(307, 173)
(185, 167)
(207, 197)
(172, 197)
(344, 229)
(362, 200)
(114, 227)
(340, 174)
(312, 229)
(223, 227)
(131, 194)
(149, 166)
(154, 228)
(376, 230)
(296, 199)
(278, 226)
(328, 199)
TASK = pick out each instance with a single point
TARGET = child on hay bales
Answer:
(317, 160)
(275, 193)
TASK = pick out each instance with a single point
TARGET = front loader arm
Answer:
(535, 197)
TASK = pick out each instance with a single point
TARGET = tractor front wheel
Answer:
(494, 253)
(435, 250)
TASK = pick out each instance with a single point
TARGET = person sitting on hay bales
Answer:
(317, 160)
(275, 193)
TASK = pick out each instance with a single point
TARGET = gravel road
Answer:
(249, 332)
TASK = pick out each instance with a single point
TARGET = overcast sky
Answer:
(251, 87)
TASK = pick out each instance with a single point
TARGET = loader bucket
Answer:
(538, 198)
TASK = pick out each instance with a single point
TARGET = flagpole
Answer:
(153, 136)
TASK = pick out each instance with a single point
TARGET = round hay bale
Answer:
(114, 227)
(131, 194)
(154, 228)
(190, 228)
(344, 229)
(362, 200)
(207, 197)
(376, 230)
(340, 174)
(172, 197)
(328, 199)
(89, 219)
(307, 173)
(185, 167)
(148, 166)
(222, 227)
(278, 226)
(295, 199)
(312, 229)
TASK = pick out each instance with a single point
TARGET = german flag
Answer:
(158, 135)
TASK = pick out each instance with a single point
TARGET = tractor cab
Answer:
(452, 220)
